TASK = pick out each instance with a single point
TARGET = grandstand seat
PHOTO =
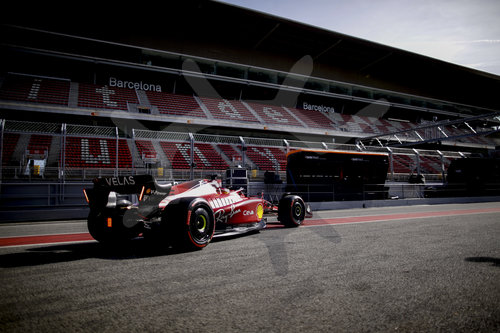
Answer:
(10, 141)
(430, 164)
(364, 124)
(228, 110)
(173, 104)
(104, 97)
(274, 115)
(385, 126)
(473, 139)
(402, 126)
(403, 163)
(231, 152)
(215, 161)
(39, 144)
(35, 89)
(205, 155)
(447, 161)
(373, 124)
(267, 158)
(313, 119)
(174, 155)
(146, 149)
(96, 153)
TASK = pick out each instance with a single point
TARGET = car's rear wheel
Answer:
(291, 211)
(189, 223)
(107, 227)
(200, 228)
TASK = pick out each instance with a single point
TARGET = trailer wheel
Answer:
(291, 211)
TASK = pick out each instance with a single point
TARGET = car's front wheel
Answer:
(291, 211)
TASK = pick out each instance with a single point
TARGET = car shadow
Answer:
(145, 248)
(494, 261)
(42, 255)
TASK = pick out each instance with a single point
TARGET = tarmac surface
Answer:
(401, 269)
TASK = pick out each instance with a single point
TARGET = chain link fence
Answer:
(32, 151)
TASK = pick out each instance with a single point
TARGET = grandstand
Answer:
(124, 98)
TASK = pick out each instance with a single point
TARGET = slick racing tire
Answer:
(291, 211)
(189, 223)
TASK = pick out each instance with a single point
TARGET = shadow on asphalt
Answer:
(276, 244)
(493, 261)
(138, 248)
(134, 249)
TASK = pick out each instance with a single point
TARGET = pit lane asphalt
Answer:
(424, 274)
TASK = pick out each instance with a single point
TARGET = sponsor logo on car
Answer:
(222, 216)
(120, 181)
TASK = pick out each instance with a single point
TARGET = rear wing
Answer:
(125, 184)
(140, 185)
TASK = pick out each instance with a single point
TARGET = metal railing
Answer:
(57, 164)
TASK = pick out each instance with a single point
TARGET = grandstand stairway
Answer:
(162, 158)
(253, 112)
(219, 152)
(73, 95)
(20, 150)
(54, 152)
(136, 155)
(203, 107)
(12, 145)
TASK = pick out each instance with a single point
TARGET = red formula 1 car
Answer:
(186, 215)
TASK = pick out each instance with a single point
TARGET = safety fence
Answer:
(32, 151)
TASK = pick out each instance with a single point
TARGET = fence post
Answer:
(133, 144)
(243, 152)
(417, 157)
(116, 153)
(62, 171)
(191, 157)
(391, 162)
(442, 165)
(2, 126)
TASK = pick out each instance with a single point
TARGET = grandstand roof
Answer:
(230, 33)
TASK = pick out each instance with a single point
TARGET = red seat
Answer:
(403, 163)
(9, 145)
(96, 153)
(231, 152)
(104, 97)
(39, 144)
(267, 158)
(35, 89)
(313, 119)
(430, 164)
(228, 110)
(146, 149)
(274, 115)
(205, 156)
(177, 105)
